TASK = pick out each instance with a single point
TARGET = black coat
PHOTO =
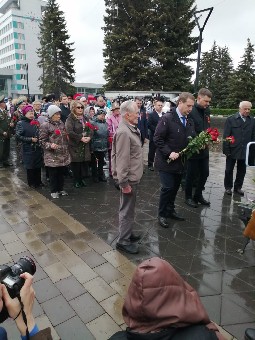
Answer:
(65, 112)
(153, 120)
(143, 124)
(201, 118)
(32, 152)
(171, 136)
(243, 132)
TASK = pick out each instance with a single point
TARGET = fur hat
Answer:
(52, 109)
(27, 108)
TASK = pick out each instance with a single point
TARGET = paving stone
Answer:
(83, 272)
(45, 258)
(92, 310)
(115, 258)
(74, 329)
(36, 246)
(103, 327)
(58, 247)
(70, 288)
(113, 306)
(121, 285)
(43, 322)
(15, 247)
(93, 259)
(57, 271)
(4, 257)
(99, 246)
(69, 259)
(48, 237)
(79, 246)
(8, 237)
(40, 228)
(58, 310)
(99, 289)
(108, 272)
(45, 290)
(28, 236)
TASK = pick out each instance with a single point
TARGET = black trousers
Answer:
(34, 177)
(56, 176)
(151, 154)
(240, 173)
(4, 150)
(80, 171)
(97, 163)
(170, 184)
(196, 169)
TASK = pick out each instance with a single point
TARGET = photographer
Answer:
(14, 308)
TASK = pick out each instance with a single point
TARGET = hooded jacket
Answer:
(161, 305)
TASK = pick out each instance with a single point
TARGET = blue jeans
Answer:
(3, 334)
(170, 183)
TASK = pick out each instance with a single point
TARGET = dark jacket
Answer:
(201, 118)
(54, 132)
(153, 120)
(65, 112)
(32, 152)
(143, 124)
(171, 136)
(79, 151)
(243, 132)
(100, 137)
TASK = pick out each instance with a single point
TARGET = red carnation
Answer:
(230, 139)
(34, 122)
(57, 132)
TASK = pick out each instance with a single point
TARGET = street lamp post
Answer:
(201, 29)
(28, 94)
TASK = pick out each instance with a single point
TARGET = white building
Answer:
(19, 40)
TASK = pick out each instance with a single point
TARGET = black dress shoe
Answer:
(163, 222)
(249, 334)
(201, 200)
(128, 248)
(151, 168)
(7, 163)
(228, 191)
(191, 203)
(135, 237)
(102, 179)
(95, 180)
(239, 192)
(1, 165)
(176, 216)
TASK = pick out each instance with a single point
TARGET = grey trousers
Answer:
(126, 215)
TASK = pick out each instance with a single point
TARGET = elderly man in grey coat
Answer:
(127, 169)
(241, 126)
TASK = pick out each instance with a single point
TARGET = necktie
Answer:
(244, 118)
(183, 120)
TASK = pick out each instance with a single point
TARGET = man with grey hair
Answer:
(241, 126)
(127, 169)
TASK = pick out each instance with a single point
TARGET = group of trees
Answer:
(148, 45)
(229, 85)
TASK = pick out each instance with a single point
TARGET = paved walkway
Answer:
(81, 280)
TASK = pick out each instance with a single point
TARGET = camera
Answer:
(10, 277)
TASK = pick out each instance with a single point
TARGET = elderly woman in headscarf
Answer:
(53, 138)
(80, 132)
(27, 132)
(160, 305)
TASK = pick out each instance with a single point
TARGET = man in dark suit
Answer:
(198, 164)
(242, 127)
(171, 136)
(64, 107)
(142, 119)
(153, 120)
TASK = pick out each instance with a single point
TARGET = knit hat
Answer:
(115, 106)
(100, 111)
(20, 101)
(27, 108)
(52, 109)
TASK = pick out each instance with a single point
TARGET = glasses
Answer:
(79, 107)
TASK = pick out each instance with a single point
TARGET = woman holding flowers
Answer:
(80, 131)
(54, 141)
(27, 132)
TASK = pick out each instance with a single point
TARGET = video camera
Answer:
(10, 277)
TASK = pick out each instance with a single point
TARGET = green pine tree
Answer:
(242, 83)
(148, 44)
(215, 73)
(55, 53)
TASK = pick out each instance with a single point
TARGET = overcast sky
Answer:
(230, 24)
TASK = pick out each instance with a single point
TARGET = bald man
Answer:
(242, 127)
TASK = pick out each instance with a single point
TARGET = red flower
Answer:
(14, 118)
(34, 122)
(214, 133)
(91, 127)
(57, 132)
(230, 139)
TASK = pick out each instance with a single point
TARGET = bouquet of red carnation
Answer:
(229, 139)
(57, 132)
(34, 122)
(199, 142)
(91, 126)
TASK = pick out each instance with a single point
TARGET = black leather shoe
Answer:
(7, 163)
(102, 179)
(1, 165)
(249, 334)
(95, 180)
(201, 200)
(228, 191)
(163, 222)
(176, 216)
(151, 168)
(239, 192)
(135, 237)
(191, 203)
(128, 248)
